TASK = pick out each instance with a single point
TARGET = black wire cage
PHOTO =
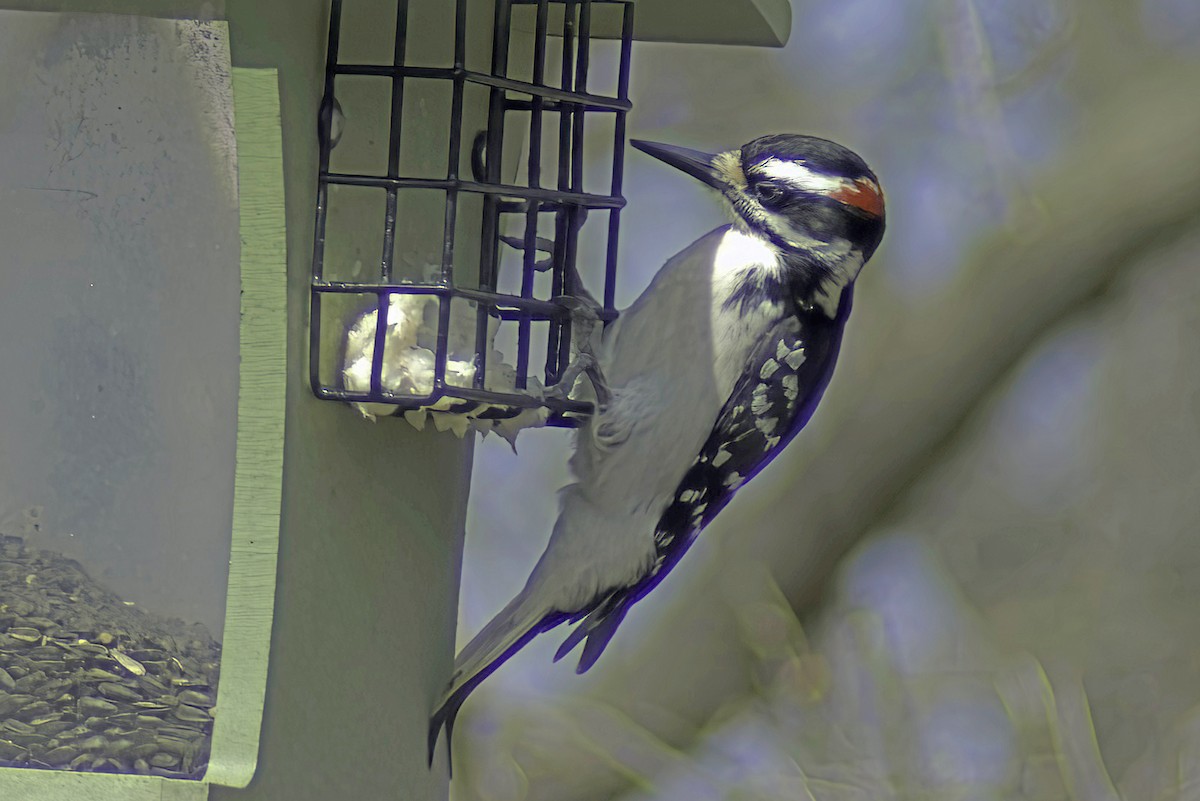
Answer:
(523, 280)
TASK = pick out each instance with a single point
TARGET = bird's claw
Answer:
(585, 314)
(583, 364)
(566, 382)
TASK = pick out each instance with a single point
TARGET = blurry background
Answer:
(976, 573)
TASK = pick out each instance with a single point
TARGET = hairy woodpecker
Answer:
(710, 373)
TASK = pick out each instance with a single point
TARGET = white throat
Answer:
(744, 254)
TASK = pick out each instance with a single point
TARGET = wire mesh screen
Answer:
(452, 199)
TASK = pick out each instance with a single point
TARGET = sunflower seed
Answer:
(25, 634)
(94, 743)
(144, 751)
(61, 755)
(129, 663)
(11, 751)
(53, 727)
(90, 705)
(118, 692)
(152, 685)
(35, 710)
(93, 674)
(119, 746)
(87, 683)
(152, 707)
(193, 698)
(172, 746)
(192, 714)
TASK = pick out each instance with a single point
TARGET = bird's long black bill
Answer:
(695, 163)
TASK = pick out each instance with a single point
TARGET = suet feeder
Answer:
(432, 301)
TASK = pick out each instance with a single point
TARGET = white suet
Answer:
(409, 362)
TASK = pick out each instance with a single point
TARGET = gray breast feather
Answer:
(671, 360)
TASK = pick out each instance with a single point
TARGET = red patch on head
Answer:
(863, 195)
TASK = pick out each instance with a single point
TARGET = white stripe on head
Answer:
(862, 193)
(799, 176)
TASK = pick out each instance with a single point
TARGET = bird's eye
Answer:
(768, 193)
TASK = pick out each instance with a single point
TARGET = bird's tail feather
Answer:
(598, 627)
(508, 632)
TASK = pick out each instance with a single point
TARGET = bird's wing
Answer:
(773, 399)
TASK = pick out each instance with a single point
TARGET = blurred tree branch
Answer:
(973, 81)
(1130, 185)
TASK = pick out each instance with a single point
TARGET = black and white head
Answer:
(808, 198)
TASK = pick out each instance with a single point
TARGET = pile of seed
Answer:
(91, 683)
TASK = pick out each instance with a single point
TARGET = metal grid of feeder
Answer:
(536, 104)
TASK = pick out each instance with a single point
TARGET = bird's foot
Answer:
(584, 319)
(583, 364)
